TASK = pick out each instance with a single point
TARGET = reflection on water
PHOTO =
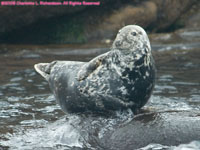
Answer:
(30, 117)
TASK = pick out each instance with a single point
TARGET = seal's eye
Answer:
(133, 33)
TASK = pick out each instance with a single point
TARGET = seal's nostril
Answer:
(117, 43)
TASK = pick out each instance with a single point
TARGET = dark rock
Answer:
(169, 11)
(17, 17)
(169, 128)
(78, 24)
(155, 15)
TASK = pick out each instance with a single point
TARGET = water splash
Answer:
(194, 145)
(60, 134)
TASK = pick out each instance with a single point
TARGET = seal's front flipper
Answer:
(90, 67)
(44, 69)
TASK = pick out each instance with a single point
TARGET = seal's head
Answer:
(131, 37)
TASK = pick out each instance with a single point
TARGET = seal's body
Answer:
(121, 78)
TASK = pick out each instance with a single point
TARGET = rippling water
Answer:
(30, 117)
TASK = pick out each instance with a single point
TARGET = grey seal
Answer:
(121, 78)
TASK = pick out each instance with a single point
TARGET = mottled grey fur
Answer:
(121, 78)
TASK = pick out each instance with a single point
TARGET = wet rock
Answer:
(113, 133)
(168, 128)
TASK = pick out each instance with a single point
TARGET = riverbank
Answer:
(81, 24)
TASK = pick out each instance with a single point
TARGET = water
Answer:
(31, 119)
